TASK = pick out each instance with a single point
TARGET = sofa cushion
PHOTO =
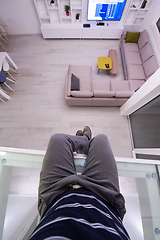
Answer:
(130, 46)
(81, 94)
(133, 58)
(120, 86)
(146, 52)
(84, 73)
(150, 66)
(74, 83)
(135, 84)
(135, 71)
(143, 39)
(124, 94)
(99, 85)
(103, 94)
(132, 37)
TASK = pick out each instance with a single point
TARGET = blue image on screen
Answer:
(108, 11)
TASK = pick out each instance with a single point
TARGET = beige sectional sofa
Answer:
(138, 59)
(97, 92)
(139, 64)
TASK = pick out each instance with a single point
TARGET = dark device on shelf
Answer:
(107, 65)
(100, 24)
(86, 25)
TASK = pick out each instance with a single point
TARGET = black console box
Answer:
(100, 24)
(86, 25)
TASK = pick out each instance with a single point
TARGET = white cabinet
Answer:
(50, 32)
(112, 31)
(137, 12)
(56, 24)
(72, 32)
(64, 31)
(92, 32)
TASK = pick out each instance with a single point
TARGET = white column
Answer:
(5, 178)
(148, 91)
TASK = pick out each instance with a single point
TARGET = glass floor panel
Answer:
(19, 178)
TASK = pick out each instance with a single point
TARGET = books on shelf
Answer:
(144, 4)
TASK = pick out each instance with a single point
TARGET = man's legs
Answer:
(100, 175)
(58, 169)
(100, 163)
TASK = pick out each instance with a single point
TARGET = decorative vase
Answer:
(67, 13)
(52, 3)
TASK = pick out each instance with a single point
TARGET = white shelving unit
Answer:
(136, 14)
(56, 24)
(55, 14)
(42, 11)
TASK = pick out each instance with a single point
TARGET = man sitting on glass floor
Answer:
(96, 209)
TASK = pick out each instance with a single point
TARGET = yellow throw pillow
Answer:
(132, 37)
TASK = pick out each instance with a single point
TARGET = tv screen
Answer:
(109, 10)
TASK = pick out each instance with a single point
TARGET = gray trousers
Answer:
(100, 174)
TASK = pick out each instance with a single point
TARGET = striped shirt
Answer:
(80, 214)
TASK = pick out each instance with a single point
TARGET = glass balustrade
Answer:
(19, 179)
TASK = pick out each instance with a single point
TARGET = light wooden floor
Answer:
(37, 108)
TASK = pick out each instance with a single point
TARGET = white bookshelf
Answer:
(55, 14)
(54, 22)
(136, 14)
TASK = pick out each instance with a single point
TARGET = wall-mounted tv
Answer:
(108, 10)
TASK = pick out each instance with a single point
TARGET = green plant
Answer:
(52, 1)
(66, 8)
(77, 15)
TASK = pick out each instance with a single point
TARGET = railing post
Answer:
(5, 178)
(150, 205)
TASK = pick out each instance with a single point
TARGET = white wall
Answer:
(152, 16)
(19, 16)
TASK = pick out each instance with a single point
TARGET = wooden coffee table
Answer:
(114, 56)
(104, 63)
